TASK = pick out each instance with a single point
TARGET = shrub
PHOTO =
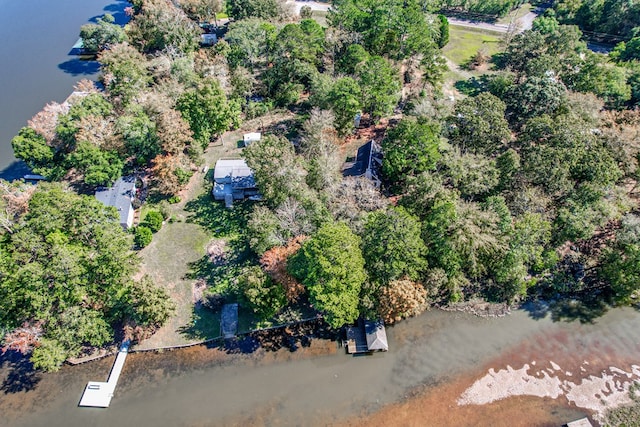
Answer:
(142, 236)
(153, 221)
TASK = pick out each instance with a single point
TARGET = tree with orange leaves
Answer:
(274, 262)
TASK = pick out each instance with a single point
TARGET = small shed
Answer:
(582, 422)
(120, 196)
(208, 39)
(233, 180)
(250, 137)
(229, 320)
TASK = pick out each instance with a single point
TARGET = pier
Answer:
(99, 394)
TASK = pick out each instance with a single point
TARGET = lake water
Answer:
(36, 37)
(201, 386)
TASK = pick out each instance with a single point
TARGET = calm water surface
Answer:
(188, 388)
(35, 68)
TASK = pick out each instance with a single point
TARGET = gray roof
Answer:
(234, 172)
(376, 335)
(120, 196)
(229, 320)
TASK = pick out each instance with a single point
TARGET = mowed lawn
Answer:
(167, 261)
(464, 43)
(177, 256)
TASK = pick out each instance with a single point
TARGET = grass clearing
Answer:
(177, 257)
(465, 42)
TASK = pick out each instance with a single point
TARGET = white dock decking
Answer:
(99, 394)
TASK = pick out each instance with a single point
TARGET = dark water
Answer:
(202, 386)
(35, 39)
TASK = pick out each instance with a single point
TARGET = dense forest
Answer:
(524, 187)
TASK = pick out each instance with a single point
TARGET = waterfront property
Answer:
(120, 196)
(366, 337)
(98, 394)
(233, 181)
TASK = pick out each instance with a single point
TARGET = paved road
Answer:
(313, 4)
(524, 23)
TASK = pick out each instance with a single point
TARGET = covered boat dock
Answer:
(366, 337)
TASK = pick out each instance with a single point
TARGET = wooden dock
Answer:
(99, 394)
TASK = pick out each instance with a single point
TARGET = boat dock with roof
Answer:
(366, 337)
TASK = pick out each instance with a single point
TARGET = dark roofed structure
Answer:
(229, 320)
(120, 196)
(368, 163)
(366, 337)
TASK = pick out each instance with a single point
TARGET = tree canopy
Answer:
(67, 267)
(331, 267)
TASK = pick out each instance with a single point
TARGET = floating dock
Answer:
(99, 394)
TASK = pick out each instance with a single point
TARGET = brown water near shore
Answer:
(433, 360)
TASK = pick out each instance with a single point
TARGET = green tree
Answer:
(142, 236)
(396, 29)
(443, 38)
(153, 221)
(140, 135)
(353, 56)
(596, 75)
(33, 149)
(535, 97)
(207, 111)
(102, 34)
(379, 86)
(344, 100)
(147, 304)
(98, 166)
(478, 124)
(263, 9)
(48, 355)
(124, 72)
(474, 175)
(410, 148)
(67, 265)
(331, 266)
(277, 169)
(392, 246)
(249, 40)
(160, 25)
(620, 262)
(265, 296)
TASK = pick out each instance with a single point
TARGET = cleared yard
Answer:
(465, 42)
(178, 258)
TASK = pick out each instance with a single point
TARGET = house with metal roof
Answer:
(120, 196)
(233, 180)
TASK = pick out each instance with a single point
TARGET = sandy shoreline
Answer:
(536, 383)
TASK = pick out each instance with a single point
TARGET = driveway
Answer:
(314, 5)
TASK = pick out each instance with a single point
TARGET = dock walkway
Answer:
(99, 394)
